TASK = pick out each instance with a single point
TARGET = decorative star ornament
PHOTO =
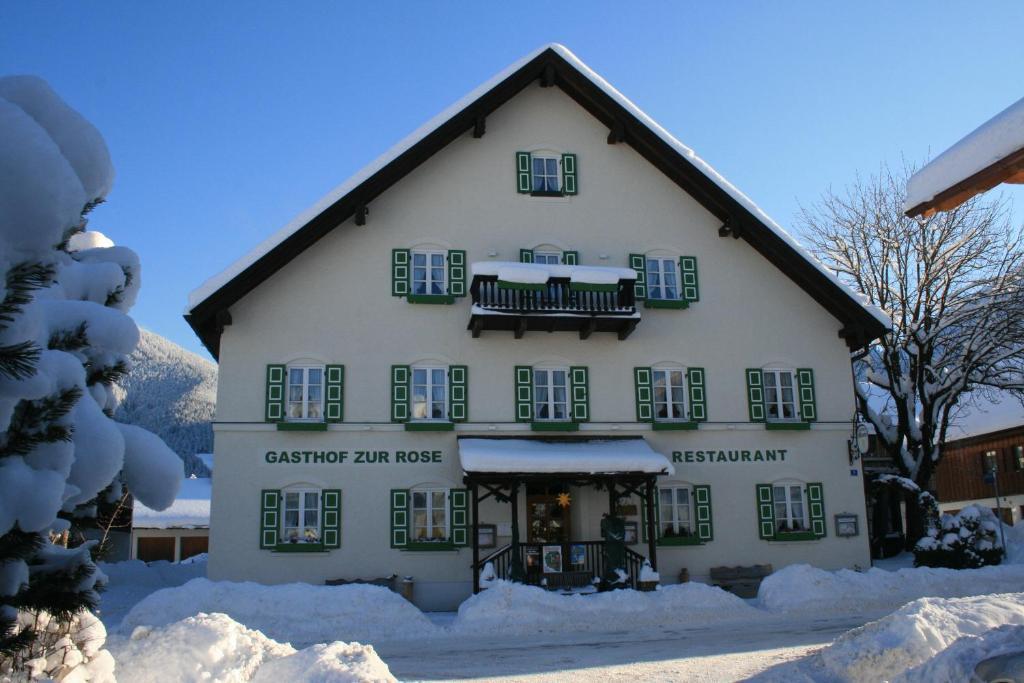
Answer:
(564, 500)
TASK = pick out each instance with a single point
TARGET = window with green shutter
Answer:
(816, 509)
(526, 255)
(790, 510)
(805, 385)
(334, 398)
(270, 517)
(638, 262)
(400, 393)
(399, 518)
(400, 272)
(698, 394)
(524, 393)
(690, 291)
(570, 178)
(331, 518)
(765, 512)
(524, 173)
(458, 393)
(570, 258)
(702, 512)
(456, 272)
(547, 174)
(274, 411)
(579, 377)
(755, 395)
(459, 516)
(644, 395)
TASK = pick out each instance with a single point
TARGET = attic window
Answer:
(546, 175)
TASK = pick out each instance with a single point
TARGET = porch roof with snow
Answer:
(190, 510)
(990, 155)
(579, 457)
(551, 65)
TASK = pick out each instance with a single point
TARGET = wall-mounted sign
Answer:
(756, 455)
(846, 525)
(354, 457)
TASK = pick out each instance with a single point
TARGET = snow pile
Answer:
(129, 582)
(595, 455)
(509, 609)
(214, 647)
(171, 392)
(294, 612)
(647, 572)
(958, 661)
(801, 587)
(996, 139)
(190, 510)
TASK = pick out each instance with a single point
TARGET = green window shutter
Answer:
(755, 394)
(638, 262)
(275, 393)
(334, 405)
(458, 393)
(580, 393)
(805, 383)
(657, 517)
(816, 508)
(524, 393)
(569, 174)
(524, 172)
(459, 499)
(702, 509)
(644, 395)
(526, 255)
(765, 512)
(698, 394)
(330, 509)
(457, 272)
(399, 518)
(270, 517)
(400, 274)
(688, 271)
(570, 258)
(400, 393)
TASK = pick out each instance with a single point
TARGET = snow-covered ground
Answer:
(806, 625)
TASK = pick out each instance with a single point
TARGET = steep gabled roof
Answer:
(552, 65)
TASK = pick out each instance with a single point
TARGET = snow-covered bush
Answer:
(65, 339)
(966, 540)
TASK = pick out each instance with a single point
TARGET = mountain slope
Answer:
(172, 392)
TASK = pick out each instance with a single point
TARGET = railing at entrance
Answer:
(589, 564)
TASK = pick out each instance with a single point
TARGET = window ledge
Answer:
(430, 299)
(794, 536)
(302, 426)
(674, 426)
(666, 303)
(429, 426)
(554, 426)
(787, 426)
(430, 548)
(299, 548)
(680, 540)
(547, 194)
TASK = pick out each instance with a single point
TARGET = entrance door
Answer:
(546, 520)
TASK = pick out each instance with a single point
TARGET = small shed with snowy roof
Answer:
(539, 333)
(179, 532)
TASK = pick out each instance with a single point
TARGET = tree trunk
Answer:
(916, 520)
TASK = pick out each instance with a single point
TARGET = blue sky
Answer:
(226, 119)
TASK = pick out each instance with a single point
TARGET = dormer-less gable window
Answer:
(546, 174)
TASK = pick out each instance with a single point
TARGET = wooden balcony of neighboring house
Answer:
(522, 297)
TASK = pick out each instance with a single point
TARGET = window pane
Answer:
(295, 376)
(419, 376)
(683, 497)
(438, 518)
(291, 500)
(786, 379)
(312, 518)
(294, 392)
(315, 376)
(558, 378)
(419, 499)
(437, 376)
(438, 499)
(419, 259)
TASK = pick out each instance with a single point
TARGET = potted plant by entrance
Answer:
(648, 579)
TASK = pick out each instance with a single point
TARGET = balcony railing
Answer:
(556, 305)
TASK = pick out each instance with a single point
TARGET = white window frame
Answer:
(447, 527)
(429, 281)
(676, 519)
(776, 373)
(788, 501)
(534, 157)
(551, 402)
(302, 528)
(305, 401)
(538, 255)
(429, 370)
(666, 372)
(656, 287)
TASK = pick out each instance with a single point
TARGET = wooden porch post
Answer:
(652, 541)
(612, 498)
(516, 573)
(476, 536)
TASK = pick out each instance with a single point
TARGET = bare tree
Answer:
(952, 285)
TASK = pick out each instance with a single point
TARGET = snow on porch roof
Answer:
(596, 456)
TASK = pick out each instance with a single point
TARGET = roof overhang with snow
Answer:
(550, 66)
(564, 457)
(990, 155)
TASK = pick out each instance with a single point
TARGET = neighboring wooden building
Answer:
(960, 479)
(177, 533)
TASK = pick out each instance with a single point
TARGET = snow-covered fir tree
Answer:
(953, 286)
(65, 340)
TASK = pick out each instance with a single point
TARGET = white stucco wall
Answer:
(333, 304)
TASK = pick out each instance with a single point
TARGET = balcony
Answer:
(521, 297)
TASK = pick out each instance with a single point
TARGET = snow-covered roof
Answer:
(342, 192)
(539, 273)
(190, 510)
(994, 140)
(207, 459)
(595, 456)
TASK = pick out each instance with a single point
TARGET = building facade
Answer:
(971, 470)
(538, 309)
